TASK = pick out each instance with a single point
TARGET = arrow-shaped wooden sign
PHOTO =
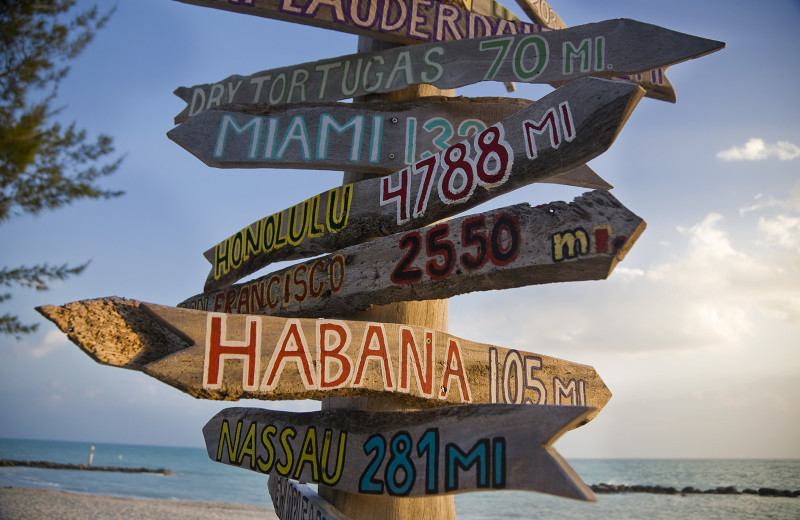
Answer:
(373, 137)
(232, 356)
(397, 21)
(502, 249)
(541, 13)
(602, 49)
(563, 130)
(449, 450)
(655, 81)
(295, 501)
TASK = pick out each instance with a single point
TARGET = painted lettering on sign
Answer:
(445, 130)
(322, 452)
(307, 281)
(497, 242)
(570, 244)
(257, 139)
(453, 449)
(268, 140)
(487, 456)
(336, 366)
(295, 501)
(454, 174)
(422, 20)
(311, 218)
(513, 380)
(327, 80)
(299, 451)
(655, 77)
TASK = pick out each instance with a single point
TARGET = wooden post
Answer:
(432, 314)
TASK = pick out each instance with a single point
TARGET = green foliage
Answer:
(43, 164)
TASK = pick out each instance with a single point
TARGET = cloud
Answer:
(757, 150)
(729, 284)
(54, 340)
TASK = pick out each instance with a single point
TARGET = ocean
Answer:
(198, 478)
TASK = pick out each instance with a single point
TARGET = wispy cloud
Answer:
(726, 286)
(54, 339)
(757, 150)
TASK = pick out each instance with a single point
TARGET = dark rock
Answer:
(603, 488)
(688, 490)
(55, 465)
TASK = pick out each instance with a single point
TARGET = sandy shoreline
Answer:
(44, 504)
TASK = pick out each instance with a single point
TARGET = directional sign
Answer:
(502, 249)
(444, 451)
(232, 356)
(602, 49)
(295, 501)
(654, 81)
(396, 21)
(563, 130)
(373, 137)
(541, 13)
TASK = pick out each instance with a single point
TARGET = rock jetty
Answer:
(689, 490)
(55, 465)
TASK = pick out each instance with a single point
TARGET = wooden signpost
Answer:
(295, 501)
(602, 49)
(448, 450)
(501, 249)
(373, 137)
(471, 428)
(566, 128)
(229, 357)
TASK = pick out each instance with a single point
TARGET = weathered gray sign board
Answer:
(373, 137)
(501, 249)
(397, 21)
(602, 49)
(655, 81)
(295, 501)
(541, 13)
(448, 450)
(232, 356)
(565, 129)
(417, 21)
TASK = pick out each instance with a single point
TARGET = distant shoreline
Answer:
(22, 503)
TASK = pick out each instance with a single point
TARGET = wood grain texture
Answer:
(654, 81)
(604, 49)
(295, 501)
(500, 249)
(396, 21)
(377, 138)
(541, 13)
(229, 357)
(593, 110)
(448, 450)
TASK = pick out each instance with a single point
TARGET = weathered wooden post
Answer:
(432, 314)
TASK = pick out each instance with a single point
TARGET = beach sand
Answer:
(44, 504)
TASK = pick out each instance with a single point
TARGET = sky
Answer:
(696, 332)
